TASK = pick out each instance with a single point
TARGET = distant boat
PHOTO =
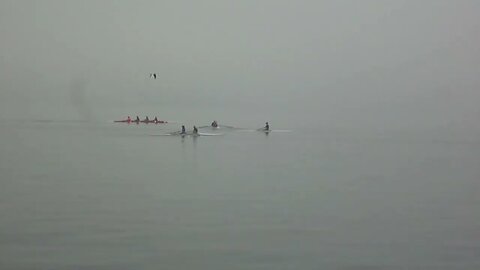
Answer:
(145, 121)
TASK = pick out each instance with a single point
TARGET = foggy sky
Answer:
(375, 63)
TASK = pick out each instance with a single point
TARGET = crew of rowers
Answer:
(146, 120)
(215, 125)
(195, 130)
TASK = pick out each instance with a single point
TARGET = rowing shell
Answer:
(141, 121)
(264, 130)
(209, 134)
(218, 127)
(189, 134)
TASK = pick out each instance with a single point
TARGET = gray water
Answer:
(98, 195)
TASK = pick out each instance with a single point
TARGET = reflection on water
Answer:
(103, 196)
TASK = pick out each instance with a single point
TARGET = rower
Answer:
(146, 119)
(129, 119)
(138, 119)
(155, 120)
(267, 127)
(183, 130)
(214, 124)
(195, 130)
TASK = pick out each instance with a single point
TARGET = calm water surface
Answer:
(106, 196)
